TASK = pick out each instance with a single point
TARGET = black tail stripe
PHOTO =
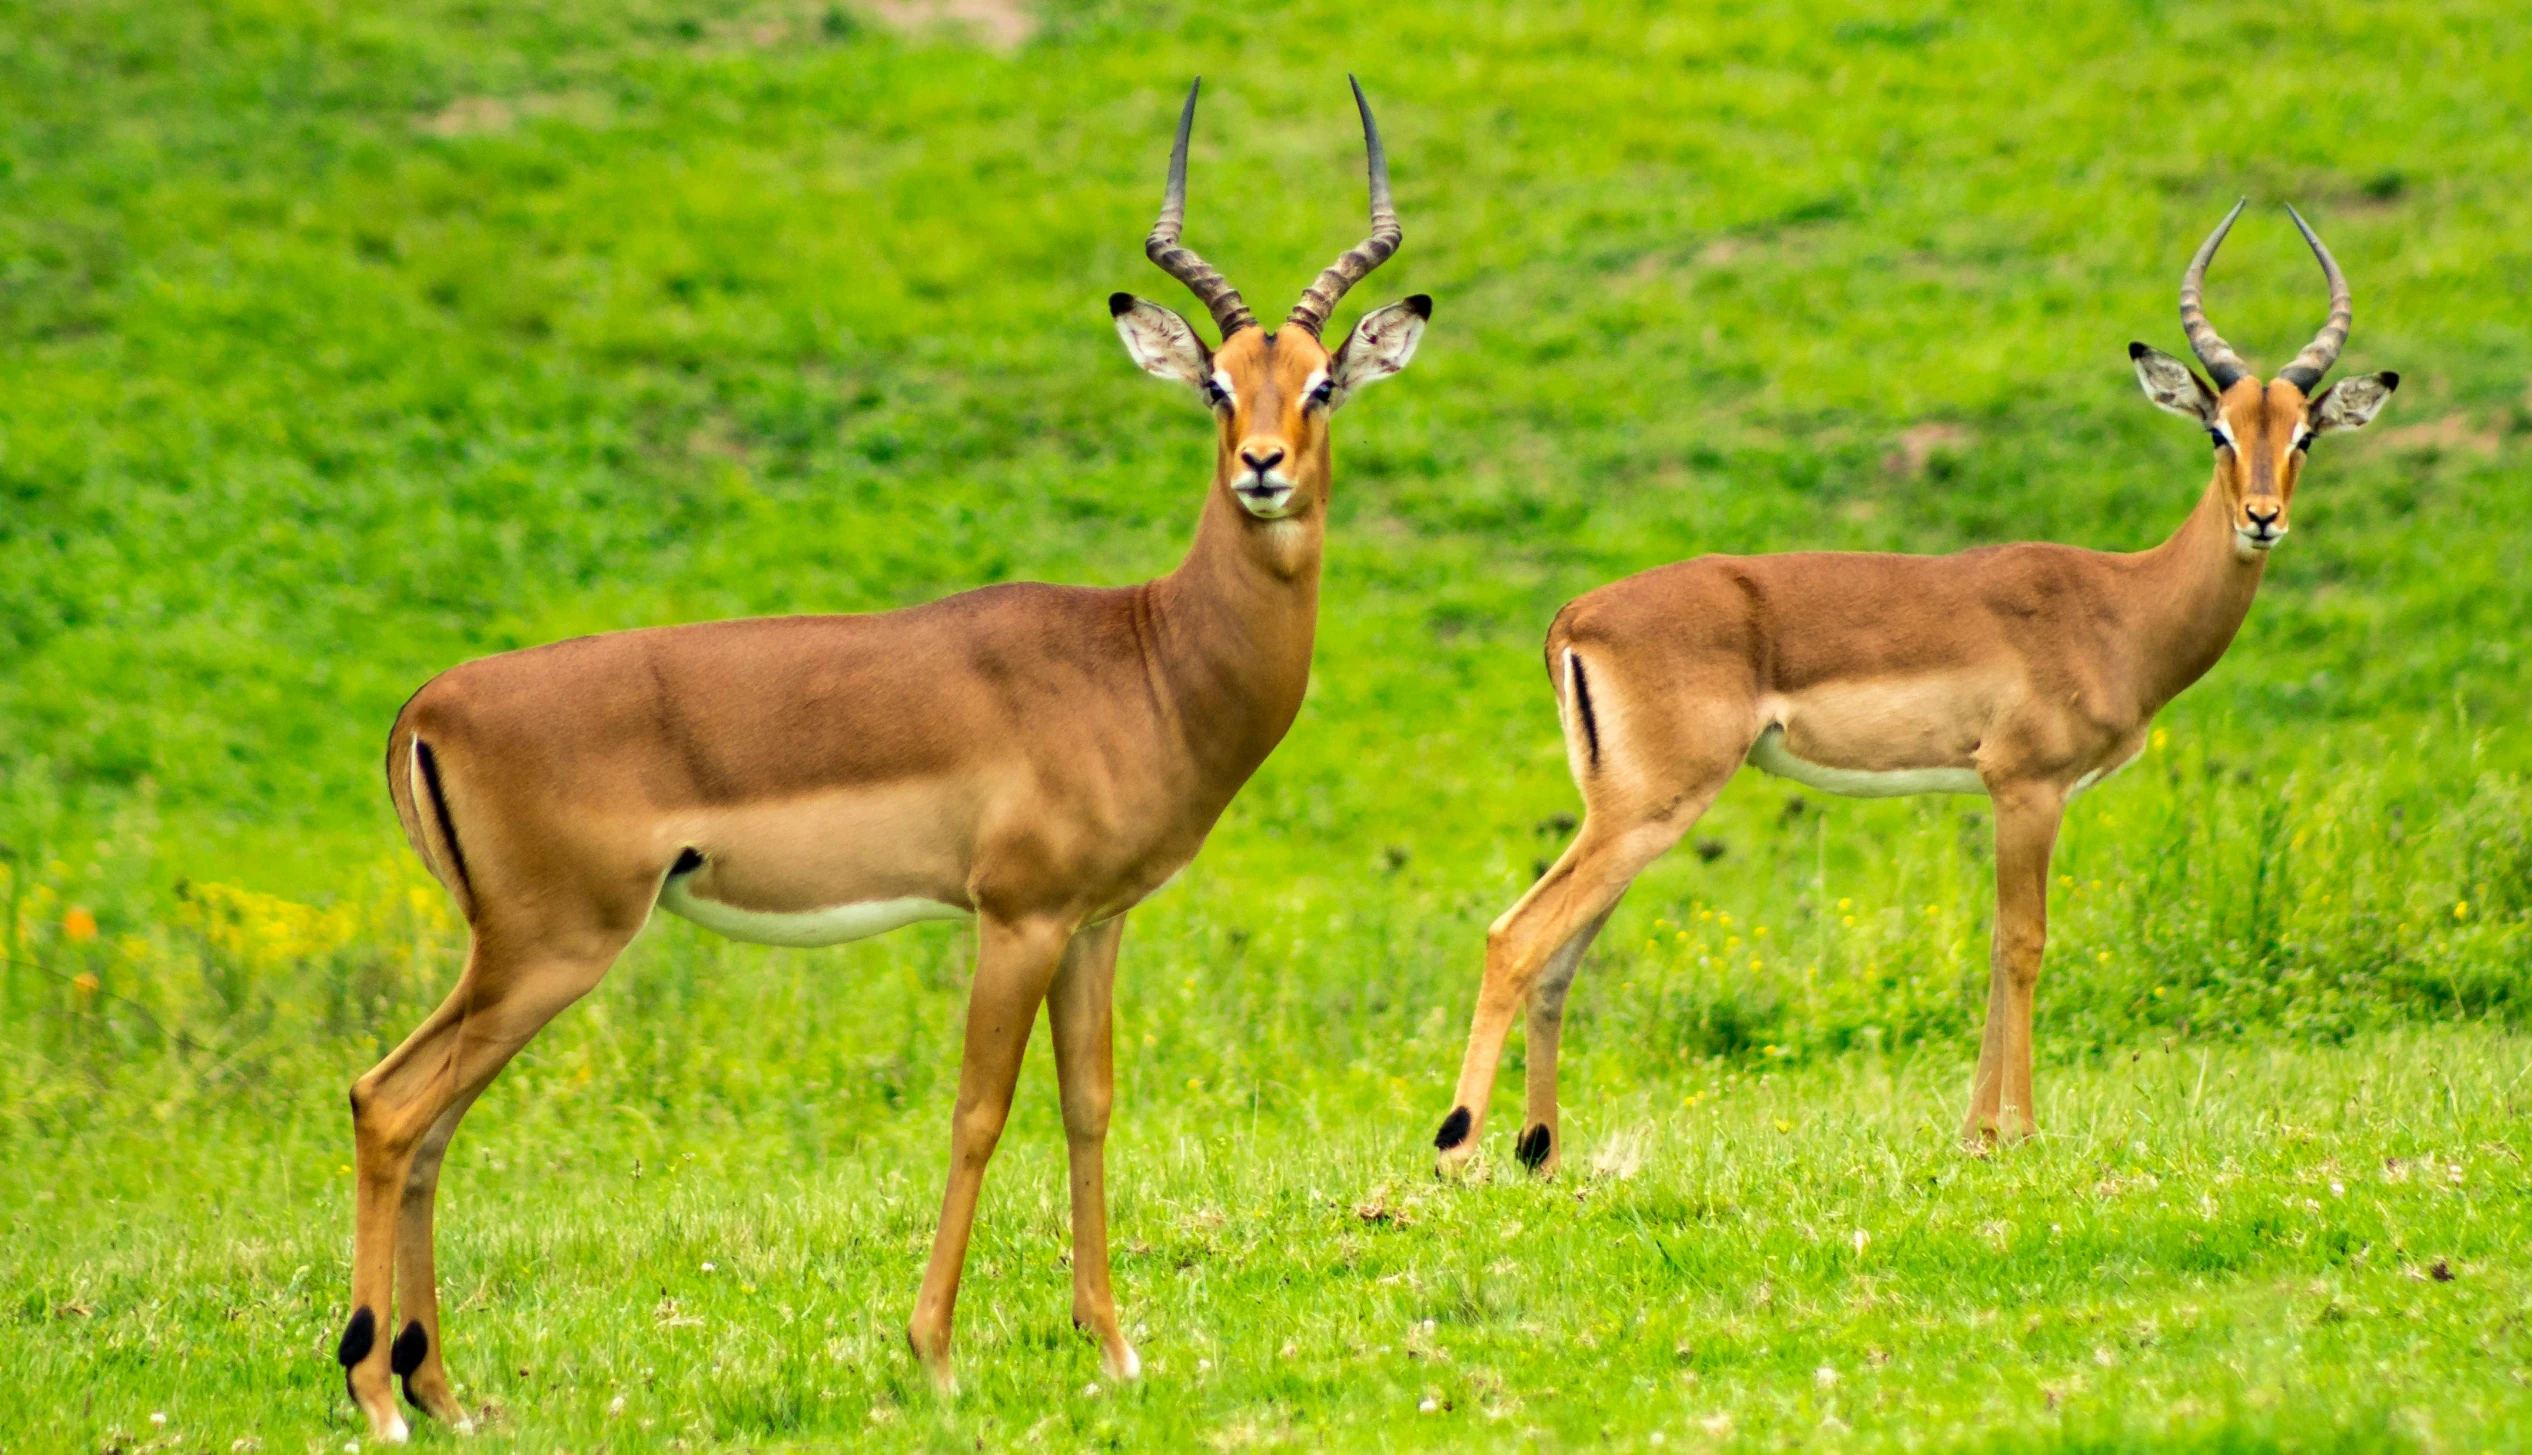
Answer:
(430, 762)
(1582, 705)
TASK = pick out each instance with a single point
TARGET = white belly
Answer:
(1770, 755)
(832, 925)
(2097, 774)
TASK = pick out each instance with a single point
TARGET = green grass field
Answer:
(341, 341)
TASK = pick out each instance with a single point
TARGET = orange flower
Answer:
(87, 984)
(79, 924)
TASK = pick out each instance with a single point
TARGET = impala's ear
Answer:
(1381, 345)
(1161, 343)
(2352, 402)
(2174, 385)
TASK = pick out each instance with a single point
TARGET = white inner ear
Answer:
(2168, 382)
(2351, 403)
(1162, 345)
(1382, 344)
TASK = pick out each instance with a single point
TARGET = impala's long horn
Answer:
(2223, 365)
(2323, 351)
(1355, 262)
(1202, 279)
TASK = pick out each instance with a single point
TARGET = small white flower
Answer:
(1824, 1376)
(615, 1406)
(707, 1268)
(1090, 1391)
(158, 1417)
(1429, 1404)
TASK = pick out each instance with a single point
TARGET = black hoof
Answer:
(1533, 1147)
(1454, 1130)
(359, 1337)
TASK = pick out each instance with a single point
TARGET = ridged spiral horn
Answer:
(2323, 351)
(1230, 315)
(1354, 263)
(2223, 365)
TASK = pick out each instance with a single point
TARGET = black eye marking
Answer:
(2218, 436)
(1321, 394)
(2304, 440)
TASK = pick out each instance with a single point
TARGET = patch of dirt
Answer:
(2453, 434)
(1917, 445)
(1001, 25)
(485, 115)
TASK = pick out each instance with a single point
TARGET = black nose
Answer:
(1263, 459)
(2261, 518)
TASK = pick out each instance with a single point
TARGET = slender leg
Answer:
(1542, 1145)
(500, 1003)
(1575, 894)
(426, 1385)
(2026, 836)
(1078, 1015)
(1015, 959)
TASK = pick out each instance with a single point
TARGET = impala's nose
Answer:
(2263, 521)
(1261, 455)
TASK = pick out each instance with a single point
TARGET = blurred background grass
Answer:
(340, 342)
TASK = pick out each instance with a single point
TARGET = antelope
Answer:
(1037, 759)
(2024, 672)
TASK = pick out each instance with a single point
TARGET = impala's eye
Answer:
(1216, 395)
(1319, 396)
(2303, 441)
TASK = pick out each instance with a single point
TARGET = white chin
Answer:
(1268, 507)
(2248, 547)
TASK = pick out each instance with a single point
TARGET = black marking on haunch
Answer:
(430, 762)
(688, 861)
(1582, 707)
(1454, 1129)
(358, 1337)
(1532, 1148)
(405, 1355)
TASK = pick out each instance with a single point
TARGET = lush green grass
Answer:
(341, 341)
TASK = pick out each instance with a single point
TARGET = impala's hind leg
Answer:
(409, 1103)
(1646, 779)
(416, 1353)
(1541, 1147)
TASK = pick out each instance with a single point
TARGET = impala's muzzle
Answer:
(2261, 526)
(1265, 491)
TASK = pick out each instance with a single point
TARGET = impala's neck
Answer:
(2199, 590)
(1232, 629)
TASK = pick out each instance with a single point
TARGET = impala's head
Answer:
(1271, 393)
(2261, 431)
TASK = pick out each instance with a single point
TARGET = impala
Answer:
(2024, 672)
(1036, 758)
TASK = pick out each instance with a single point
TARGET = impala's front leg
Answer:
(2026, 835)
(1015, 958)
(1079, 1016)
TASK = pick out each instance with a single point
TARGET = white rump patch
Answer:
(832, 925)
(1770, 755)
